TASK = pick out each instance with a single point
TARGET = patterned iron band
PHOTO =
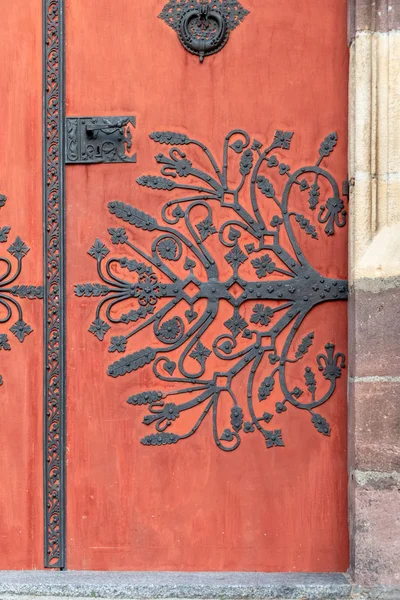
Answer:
(294, 289)
(54, 295)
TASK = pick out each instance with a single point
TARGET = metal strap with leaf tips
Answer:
(10, 290)
(294, 290)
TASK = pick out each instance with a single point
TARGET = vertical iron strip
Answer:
(54, 283)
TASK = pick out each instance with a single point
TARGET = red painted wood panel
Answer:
(21, 395)
(191, 506)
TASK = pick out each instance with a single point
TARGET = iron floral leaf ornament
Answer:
(12, 293)
(177, 289)
(203, 26)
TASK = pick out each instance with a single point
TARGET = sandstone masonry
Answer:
(374, 274)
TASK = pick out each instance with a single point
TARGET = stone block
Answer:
(373, 15)
(376, 535)
(374, 348)
(375, 426)
(374, 153)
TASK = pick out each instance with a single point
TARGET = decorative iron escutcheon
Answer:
(91, 140)
(203, 27)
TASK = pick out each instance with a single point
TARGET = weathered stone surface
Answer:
(374, 346)
(381, 592)
(147, 585)
(374, 307)
(377, 480)
(143, 586)
(376, 535)
(374, 154)
(375, 421)
(373, 15)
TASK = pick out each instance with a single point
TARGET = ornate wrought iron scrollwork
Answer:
(203, 26)
(284, 287)
(10, 290)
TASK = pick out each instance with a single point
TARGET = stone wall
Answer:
(374, 320)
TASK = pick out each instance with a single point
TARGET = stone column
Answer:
(374, 320)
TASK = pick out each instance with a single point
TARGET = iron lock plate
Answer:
(92, 140)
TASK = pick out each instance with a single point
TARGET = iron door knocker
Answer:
(203, 31)
(203, 26)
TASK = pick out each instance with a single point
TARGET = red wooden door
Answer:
(21, 291)
(206, 316)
